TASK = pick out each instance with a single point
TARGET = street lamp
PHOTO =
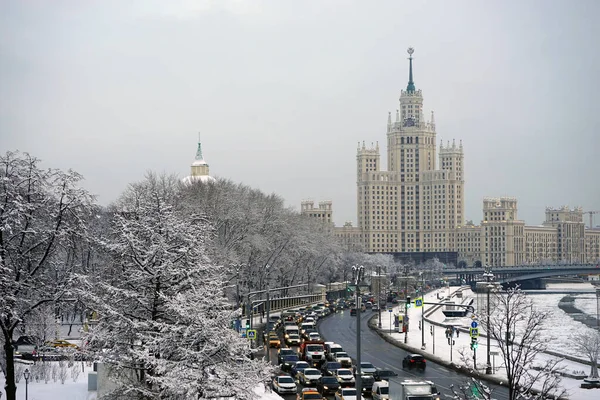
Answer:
(379, 294)
(488, 276)
(358, 274)
(598, 308)
(26, 376)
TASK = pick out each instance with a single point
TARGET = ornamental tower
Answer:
(411, 207)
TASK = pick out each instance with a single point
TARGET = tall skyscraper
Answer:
(412, 206)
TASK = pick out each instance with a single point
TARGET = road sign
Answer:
(390, 309)
(474, 332)
(419, 302)
(243, 332)
(252, 334)
(474, 324)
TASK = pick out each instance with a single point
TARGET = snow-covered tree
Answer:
(516, 326)
(43, 213)
(163, 323)
(588, 343)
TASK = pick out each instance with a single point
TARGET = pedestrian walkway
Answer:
(447, 341)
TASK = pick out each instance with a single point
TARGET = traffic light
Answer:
(247, 324)
(408, 301)
(473, 343)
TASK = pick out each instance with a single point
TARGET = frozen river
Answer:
(560, 326)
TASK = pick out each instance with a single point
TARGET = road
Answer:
(341, 328)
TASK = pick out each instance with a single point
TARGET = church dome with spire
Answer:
(199, 168)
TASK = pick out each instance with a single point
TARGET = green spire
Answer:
(199, 150)
(411, 85)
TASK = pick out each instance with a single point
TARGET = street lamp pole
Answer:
(379, 294)
(422, 311)
(358, 276)
(598, 308)
(26, 376)
(488, 275)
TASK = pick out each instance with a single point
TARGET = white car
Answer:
(347, 394)
(343, 358)
(309, 375)
(314, 336)
(344, 376)
(366, 368)
(284, 384)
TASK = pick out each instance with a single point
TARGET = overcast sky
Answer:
(283, 91)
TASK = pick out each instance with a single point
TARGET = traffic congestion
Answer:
(311, 368)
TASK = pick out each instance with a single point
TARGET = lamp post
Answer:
(26, 376)
(422, 310)
(358, 274)
(488, 275)
(379, 294)
(598, 308)
(268, 306)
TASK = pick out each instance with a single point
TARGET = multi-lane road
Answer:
(341, 328)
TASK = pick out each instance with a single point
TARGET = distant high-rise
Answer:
(412, 206)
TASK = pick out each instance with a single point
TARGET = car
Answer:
(288, 362)
(293, 339)
(61, 343)
(343, 358)
(328, 385)
(353, 312)
(284, 384)
(344, 376)
(306, 333)
(366, 368)
(384, 374)
(330, 367)
(299, 367)
(414, 361)
(309, 376)
(314, 336)
(366, 383)
(284, 351)
(309, 393)
(375, 307)
(332, 349)
(274, 340)
(347, 394)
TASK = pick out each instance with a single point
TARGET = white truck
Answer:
(419, 390)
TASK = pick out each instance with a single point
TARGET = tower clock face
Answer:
(409, 121)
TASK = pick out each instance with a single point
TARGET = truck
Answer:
(418, 390)
(313, 352)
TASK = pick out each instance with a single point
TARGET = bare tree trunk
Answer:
(10, 386)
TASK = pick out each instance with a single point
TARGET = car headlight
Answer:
(325, 387)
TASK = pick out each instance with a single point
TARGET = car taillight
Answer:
(412, 360)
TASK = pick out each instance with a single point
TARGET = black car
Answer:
(414, 361)
(328, 385)
(330, 367)
(284, 351)
(367, 382)
(384, 374)
(288, 362)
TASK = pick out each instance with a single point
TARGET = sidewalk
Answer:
(459, 356)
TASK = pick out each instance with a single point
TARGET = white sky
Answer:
(283, 91)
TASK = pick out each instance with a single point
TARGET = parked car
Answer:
(414, 361)
(328, 385)
(284, 384)
(61, 343)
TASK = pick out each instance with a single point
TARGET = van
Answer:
(289, 329)
(381, 390)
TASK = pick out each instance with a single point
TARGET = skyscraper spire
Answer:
(199, 150)
(411, 85)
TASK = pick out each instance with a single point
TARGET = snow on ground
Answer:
(54, 390)
(78, 390)
(462, 342)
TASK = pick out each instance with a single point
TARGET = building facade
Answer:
(323, 213)
(412, 206)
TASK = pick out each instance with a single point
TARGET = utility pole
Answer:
(358, 276)
(406, 303)
(268, 312)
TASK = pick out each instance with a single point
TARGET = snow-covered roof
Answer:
(188, 180)
(198, 162)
